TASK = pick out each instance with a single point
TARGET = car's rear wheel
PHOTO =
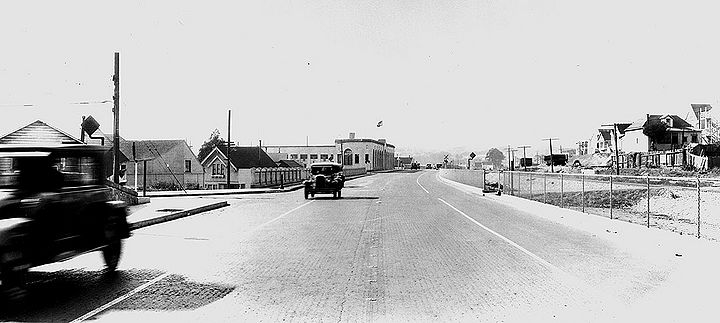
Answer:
(339, 194)
(12, 280)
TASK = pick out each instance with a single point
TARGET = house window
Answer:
(367, 158)
(313, 156)
(357, 158)
(218, 170)
(293, 156)
(694, 139)
(303, 156)
(347, 158)
(323, 156)
(339, 158)
(188, 166)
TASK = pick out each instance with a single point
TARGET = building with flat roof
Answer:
(358, 155)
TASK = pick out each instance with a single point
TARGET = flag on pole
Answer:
(379, 124)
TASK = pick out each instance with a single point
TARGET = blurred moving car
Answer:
(325, 177)
(54, 206)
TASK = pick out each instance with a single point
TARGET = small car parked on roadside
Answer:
(54, 205)
(326, 178)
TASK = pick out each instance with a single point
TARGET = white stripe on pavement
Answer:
(512, 243)
(159, 278)
(119, 299)
(282, 215)
(418, 182)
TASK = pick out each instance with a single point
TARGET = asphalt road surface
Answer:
(402, 246)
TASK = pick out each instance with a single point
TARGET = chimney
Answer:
(352, 135)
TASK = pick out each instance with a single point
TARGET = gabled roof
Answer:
(678, 122)
(288, 163)
(40, 133)
(149, 149)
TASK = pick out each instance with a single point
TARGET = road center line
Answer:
(512, 243)
(418, 182)
(119, 299)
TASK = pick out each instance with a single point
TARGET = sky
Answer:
(439, 74)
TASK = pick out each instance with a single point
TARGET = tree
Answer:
(656, 130)
(210, 144)
(495, 157)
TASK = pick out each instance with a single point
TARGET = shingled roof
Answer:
(38, 133)
(148, 149)
(249, 157)
(678, 122)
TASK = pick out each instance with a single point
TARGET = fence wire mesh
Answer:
(688, 206)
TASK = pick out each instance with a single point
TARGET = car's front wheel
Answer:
(113, 248)
(111, 254)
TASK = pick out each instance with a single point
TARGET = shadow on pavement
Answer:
(68, 294)
(347, 198)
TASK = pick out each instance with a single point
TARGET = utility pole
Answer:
(116, 124)
(552, 160)
(524, 161)
(228, 153)
(617, 149)
(508, 156)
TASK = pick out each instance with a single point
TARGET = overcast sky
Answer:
(440, 74)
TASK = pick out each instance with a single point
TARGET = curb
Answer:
(177, 215)
(295, 187)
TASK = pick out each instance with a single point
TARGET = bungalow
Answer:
(242, 159)
(677, 133)
(170, 163)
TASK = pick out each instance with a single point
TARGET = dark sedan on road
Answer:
(325, 177)
(54, 206)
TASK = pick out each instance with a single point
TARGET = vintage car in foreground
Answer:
(325, 177)
(54, 206)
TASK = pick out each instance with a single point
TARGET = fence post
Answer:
(545, 188)
(648, 200)
(611, 197)
(512, 183)
(562, 190)
(698, 208)
(582, 196)
(531, 196)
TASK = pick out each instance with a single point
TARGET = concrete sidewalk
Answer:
(263, 190)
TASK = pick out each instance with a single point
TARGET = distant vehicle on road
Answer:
(415, 166)
(557, 159)
(326, 178)
(428, 166)
(54, 206)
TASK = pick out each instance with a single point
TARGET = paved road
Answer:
(398, 247)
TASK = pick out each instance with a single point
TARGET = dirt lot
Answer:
(673, 204)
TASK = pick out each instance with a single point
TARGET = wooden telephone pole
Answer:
(552, 160)
(228, 154)
(524, 161)
(116, 117)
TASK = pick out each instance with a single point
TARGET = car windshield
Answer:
(324, 170)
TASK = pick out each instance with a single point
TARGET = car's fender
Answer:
(8, 228)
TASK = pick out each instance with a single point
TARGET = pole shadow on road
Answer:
(68, 294)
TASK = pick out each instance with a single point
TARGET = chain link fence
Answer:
(687, 205)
